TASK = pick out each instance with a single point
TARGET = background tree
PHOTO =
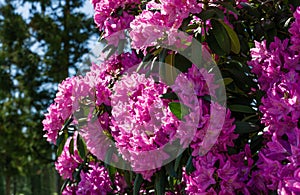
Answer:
(36, 52)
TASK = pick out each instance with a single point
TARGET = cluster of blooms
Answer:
(277, 68)
(94, 180)
(113, 16)
(75, 94)
(220, 173)
(216, 172)
(131, 114)
(67, 162)
(60, 110)
(141, 119)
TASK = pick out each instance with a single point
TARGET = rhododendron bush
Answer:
(177, 101)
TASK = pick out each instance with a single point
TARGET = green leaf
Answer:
(211, 13)
(137, 184)
(60, 142)
(177, 162)
(245, 127)
(218, 39)
(128, 178)
(241, 108)
(160, 182)
(242, 80)
(221, 35)
(179, 110)
(71, 146)
(181, 63)
(81, 147)
(213, 45)
(67, 123)
(109, 154)
(66, 182)
(189, 165)
(234, 40)
(227, 81)
(256, 143)
(170, 169)
(170, 96)
(228, 6)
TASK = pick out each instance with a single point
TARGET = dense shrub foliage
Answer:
(112, 125)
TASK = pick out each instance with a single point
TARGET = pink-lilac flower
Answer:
(141, 120)
(111, 17)
(279, 159)
(60, 110)
(295, 31)
(95, 180)
(67, 162)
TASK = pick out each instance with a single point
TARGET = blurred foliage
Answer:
(36, 53)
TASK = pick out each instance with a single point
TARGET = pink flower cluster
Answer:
(141, 120)
(295, 31)
(78, 98)
(220, 173)
(175, 11)
(94, 180)
(60, 110)
(113, 16)
(67, 162)
(216, 172)
(277, 68)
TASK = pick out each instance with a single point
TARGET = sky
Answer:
(24, 10)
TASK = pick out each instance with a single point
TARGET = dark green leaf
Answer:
(213, 44)
(170, 96)
(211, 13)
(71, 146)
(109, 154)
(170, 169)
(160, 182)
(242, 108)
(177, 162)
(61, 140)
(228, 6)
(181, 63)
(234, 40)
(220, 34)
(137, 184)
(256, 143)
(128, 177)
(81, 147)
(65, 184)
(189, 165)
(245, 127)
(67, 123)
(227, 81)
(179, 110)
(241, 79)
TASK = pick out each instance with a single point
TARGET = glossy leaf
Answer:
(241, 108)
(81, 147)
(234, 40)
(71, 146)
(61, 143)
(245, 127)
(189, 165)
(137, 184)
(160, 182)
(179, 110)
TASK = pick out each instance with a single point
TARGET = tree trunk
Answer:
(7, 185)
